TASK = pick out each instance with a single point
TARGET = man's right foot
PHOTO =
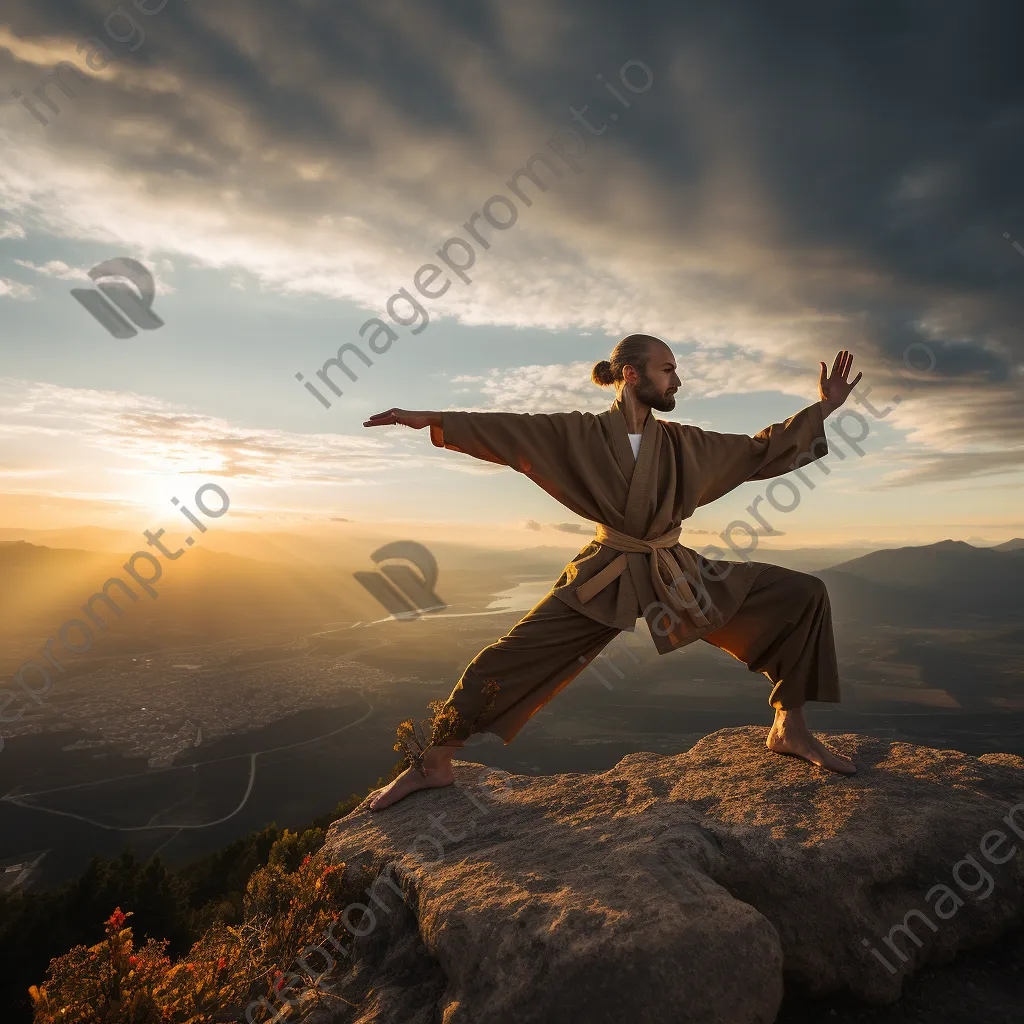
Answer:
(810, 748)
(439, 773)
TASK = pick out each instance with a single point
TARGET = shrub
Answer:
(287, 907)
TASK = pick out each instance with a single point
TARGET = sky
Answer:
(759, 185)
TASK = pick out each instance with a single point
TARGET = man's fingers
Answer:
(855, 379)
(843, 361)
(381, 419)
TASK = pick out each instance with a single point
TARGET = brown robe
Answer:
(584, 461)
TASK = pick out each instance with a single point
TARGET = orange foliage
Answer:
(119, 982)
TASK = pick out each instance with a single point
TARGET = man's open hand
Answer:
(835, 388)
(416, 420)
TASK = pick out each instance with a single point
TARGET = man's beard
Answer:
(647, 393)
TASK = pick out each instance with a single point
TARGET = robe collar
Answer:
(639, 472)
(620, 438)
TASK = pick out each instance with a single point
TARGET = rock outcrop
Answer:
(681, 888)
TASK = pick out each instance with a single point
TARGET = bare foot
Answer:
(439, 773)
(810, 748)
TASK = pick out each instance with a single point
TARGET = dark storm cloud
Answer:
(844, 107)
(879, 142)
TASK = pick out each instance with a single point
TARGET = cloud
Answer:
(333, 153)
(553, 387)
(586, 529)
(56, 268)
(143, 431)
(573, 528)
(61, 271)
(8, 229)
(15, 290)
(956, 466)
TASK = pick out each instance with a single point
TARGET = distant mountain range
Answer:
(1017, 544)
(210, 595)
(939, 565)
(927, 585)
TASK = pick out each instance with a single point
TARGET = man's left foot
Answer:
(438, 772)
(810, 749)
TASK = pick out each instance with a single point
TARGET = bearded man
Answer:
(638, 477)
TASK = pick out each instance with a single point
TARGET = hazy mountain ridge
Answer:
(1017, 544)
(929, 585)
(933, 564)
(208, 589)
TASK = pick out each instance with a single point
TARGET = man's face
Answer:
(658, 380)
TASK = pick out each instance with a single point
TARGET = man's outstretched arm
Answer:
(728, 460)
(535, 444)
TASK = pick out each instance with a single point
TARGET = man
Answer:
(638, 477)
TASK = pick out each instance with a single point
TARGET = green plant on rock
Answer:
(446, 723)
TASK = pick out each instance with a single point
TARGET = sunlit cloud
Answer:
(60, 270)
(56, 268)
(15, 290)
(163, 437)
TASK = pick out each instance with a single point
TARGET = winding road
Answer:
(20, 798)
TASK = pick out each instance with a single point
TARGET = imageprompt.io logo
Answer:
(405, 593)
(135, 303)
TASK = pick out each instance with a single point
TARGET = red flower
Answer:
(133, 959)
(278, 981)
(116, 919)
(221, 964)
(306, 860)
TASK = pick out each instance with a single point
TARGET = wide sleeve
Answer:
(536, 444)
(724, 461)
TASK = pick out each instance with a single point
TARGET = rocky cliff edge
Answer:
(680, 888)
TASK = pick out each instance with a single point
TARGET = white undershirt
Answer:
(634, 441)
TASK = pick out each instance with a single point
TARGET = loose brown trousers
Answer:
(783, 629)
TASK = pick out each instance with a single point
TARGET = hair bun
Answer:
(602, 373)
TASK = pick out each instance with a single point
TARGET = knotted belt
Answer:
(680, 596)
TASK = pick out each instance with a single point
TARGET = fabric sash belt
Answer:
(680, 596)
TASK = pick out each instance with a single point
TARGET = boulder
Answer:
(681, 888)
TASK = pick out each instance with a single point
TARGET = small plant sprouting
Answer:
(447, 723)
